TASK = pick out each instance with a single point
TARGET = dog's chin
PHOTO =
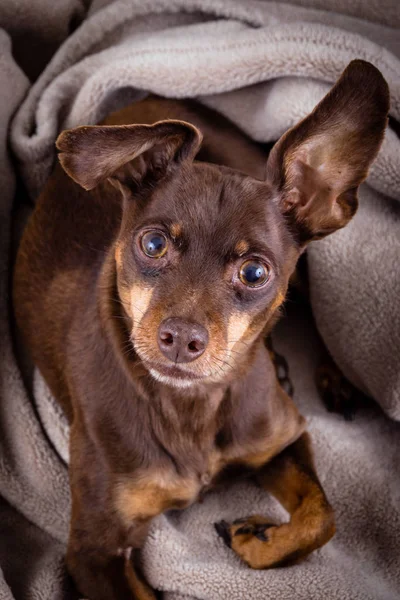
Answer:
(174, 375)
(171, 374)
(179, 381)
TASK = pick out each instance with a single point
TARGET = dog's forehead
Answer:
(218, 203)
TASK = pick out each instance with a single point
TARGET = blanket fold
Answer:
(264, 65)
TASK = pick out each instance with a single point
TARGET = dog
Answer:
(153, 266)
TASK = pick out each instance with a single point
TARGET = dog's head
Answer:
(205, 253)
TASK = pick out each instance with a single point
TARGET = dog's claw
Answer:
(244, 529)
(222, 528)
(259, 532)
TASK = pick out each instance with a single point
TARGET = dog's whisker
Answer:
(138, 309)
(232, 351)
(237, 341)
(225, 363)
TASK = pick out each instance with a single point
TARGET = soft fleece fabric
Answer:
(265, 65)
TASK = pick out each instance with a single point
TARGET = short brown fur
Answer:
(150, 432)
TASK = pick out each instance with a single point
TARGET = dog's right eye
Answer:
(154, 244)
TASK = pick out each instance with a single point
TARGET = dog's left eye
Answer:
(154, 244)
(254, 273)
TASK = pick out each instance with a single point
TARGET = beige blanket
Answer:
(265, 65)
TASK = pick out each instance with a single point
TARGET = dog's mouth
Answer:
(181, 375)
(175, 371)
(173, 375)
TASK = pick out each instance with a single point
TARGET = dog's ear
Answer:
(129, 154)
(318, 165)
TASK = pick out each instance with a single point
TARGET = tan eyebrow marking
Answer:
(241, 247)
(175, 230)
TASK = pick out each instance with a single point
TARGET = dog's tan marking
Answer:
(292, 480)
(118, 255)
(238, 324)
(216, 461)
(140, 588)
(277, 302)
(255, 460)
(149, 496)
(241, 248)
(175, 230)
(124, 294)
(140, 300)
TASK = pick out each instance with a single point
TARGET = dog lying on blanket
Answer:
(145, 284)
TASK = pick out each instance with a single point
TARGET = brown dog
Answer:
(145, 284)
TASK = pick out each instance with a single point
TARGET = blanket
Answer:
(264, 65)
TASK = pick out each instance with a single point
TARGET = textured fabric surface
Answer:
(265, 65)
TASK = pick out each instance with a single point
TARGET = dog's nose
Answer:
(182, 341)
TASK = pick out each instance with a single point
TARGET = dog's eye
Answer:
(154, 244)
(253, 273)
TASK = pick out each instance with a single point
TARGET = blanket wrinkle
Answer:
(264, 65)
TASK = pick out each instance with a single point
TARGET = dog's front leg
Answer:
(102, 576)
(292, 479)
(102, 555)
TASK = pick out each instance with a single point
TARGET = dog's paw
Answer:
(336, 392)
(265, 545)
(242, 530)
(252, 538)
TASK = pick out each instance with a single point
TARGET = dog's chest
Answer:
(151, 492)
(154, 491)
(199, 460)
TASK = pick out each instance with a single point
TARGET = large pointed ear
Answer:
(318, 165)
(130, 154)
